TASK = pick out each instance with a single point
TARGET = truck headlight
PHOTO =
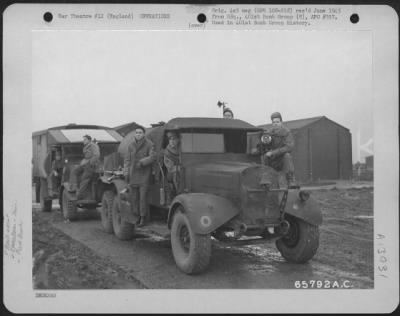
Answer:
(304, 195)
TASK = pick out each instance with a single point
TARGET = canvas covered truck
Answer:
(223, 192)
(56, 152)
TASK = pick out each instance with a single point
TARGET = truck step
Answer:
(154, 228)
(244, 242)
(86, 202)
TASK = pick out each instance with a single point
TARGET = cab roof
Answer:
(74, 133)
(209, 123)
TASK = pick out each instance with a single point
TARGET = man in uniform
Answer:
(275, 148)
(137, 170)
(171, 160)
(227, 113)
(88, 166)
(56, 172)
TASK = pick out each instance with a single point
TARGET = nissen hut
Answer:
(322, 149)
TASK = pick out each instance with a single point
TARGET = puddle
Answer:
(364, 216)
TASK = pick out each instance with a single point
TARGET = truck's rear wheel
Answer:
(45, 201)
(107, 201)
(300, 243)
(191, 251)
(69, 207)
(122, 229)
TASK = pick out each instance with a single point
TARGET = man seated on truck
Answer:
(275, 148)
(172, 159)
(88, 166)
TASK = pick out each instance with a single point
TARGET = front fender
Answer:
(309, 210)
(206, 212)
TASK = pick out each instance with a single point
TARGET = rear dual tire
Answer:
(122, 229)
(107, 202)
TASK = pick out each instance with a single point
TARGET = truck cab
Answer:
(57, 151)
(222, 192)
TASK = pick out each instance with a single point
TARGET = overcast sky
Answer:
(115, 77)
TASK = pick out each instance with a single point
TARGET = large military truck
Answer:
(55, 153)
(223, 192)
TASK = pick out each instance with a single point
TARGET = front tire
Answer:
(69, 208)
(122, 229)
(107, 201)
(301, 242)
(191, 251)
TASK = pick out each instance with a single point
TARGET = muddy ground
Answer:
(60, 262)
(78, 255)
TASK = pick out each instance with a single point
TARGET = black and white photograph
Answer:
(247, 150)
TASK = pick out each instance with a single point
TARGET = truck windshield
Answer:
(225, 141)
(202, 143)
(73, 151)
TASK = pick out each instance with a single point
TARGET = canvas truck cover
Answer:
(156, 134)
(64, 136)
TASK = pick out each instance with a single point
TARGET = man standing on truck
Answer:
(88, 165)
(172, 159)
(275, 148)
(137, 170)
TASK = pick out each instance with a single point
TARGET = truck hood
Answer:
(226, 178)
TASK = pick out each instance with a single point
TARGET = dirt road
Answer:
(345, 254)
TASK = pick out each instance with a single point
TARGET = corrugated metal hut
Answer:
(322, 149)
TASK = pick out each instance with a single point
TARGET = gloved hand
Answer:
(269, 154)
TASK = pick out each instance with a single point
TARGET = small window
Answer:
(202, 143)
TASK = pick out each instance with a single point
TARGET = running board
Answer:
(245, 242)
(159, 229)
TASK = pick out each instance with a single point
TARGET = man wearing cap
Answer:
(172, 159)
(276, 145)
(227, 113)
(137, 170)
(88, 166)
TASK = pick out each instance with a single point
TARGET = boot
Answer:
(291, 182)
(142, 222)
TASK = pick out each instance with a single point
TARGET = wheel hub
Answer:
(184, 238)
